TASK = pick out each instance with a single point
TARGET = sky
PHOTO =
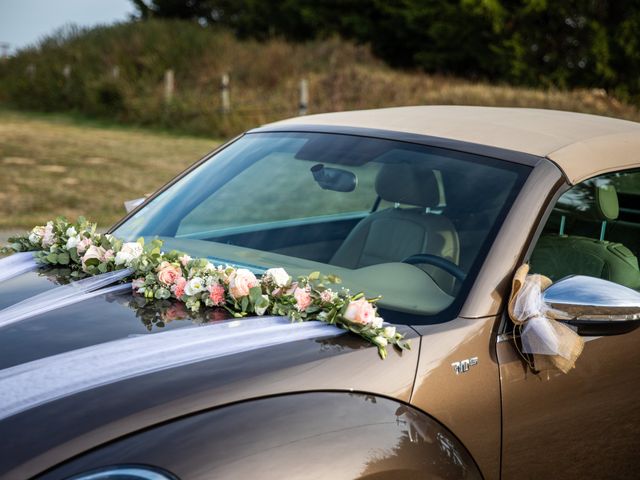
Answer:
(24, 22)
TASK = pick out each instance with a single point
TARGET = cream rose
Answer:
(71, 232)
(389, 332)
(360, 311)
(36, 235)
(376, 322)
(240, 282)
(278, 276)
(128, 253)
(93, 252)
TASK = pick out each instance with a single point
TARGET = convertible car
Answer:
(431, 208)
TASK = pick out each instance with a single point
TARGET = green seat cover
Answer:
(558, 256)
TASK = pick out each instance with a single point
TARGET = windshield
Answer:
(407, 222)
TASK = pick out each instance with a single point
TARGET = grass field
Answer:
(51, 165)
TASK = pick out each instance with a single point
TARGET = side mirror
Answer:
(129, 205)
(594, 306)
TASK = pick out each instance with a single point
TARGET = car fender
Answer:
(306, 435)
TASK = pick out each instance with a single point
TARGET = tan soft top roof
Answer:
(582, 145)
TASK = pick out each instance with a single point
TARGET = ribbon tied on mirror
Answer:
(541, 334)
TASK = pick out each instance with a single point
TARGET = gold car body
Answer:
(548, 422)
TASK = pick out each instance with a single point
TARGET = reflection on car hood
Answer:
(100, 411)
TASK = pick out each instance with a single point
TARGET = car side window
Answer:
(594, 230)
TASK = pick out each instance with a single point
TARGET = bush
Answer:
(117, 73)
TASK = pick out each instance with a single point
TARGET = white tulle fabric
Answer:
(41, 381)
(64, 295)
(17, 264)
(540, 332)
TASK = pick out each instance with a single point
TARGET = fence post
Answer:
(66, 71)
(31, 71)
(115, 72)
(224, 93)
(168, 85)
(304, 97)
(4, 46)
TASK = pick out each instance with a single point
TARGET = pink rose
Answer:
(360, 311)
(216, 294)
(83, 245)
(184, 260)
(303, 298)
(107, 255)
(168, 274)
(240, 282)
(47, 236)
(178, 287)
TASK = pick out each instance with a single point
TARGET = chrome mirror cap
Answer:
(589, 298)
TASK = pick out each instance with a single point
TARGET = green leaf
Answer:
(63, 258)
(244, 304)
(255, 294)
(52, 258)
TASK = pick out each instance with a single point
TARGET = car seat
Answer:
(394, 234)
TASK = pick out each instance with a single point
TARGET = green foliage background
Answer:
(564, 43)
(581, 55)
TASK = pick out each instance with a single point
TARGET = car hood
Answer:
(66, 398)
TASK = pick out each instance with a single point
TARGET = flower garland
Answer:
(199, 284)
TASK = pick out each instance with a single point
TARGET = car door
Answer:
(583, 424)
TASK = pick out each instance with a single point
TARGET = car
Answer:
(431, 208)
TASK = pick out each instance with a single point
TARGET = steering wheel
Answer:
(442, 263)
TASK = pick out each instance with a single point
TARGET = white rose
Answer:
(279, 276)
(71, 232)
(72, 242)
(36, 234)
(195, 285)
(129, 252)
(376, 322)
(389, 332)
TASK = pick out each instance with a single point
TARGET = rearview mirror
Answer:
(595, 306)
(335, 179)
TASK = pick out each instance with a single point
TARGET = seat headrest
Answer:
(607, 202)
(410, 184)
(598, 204)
